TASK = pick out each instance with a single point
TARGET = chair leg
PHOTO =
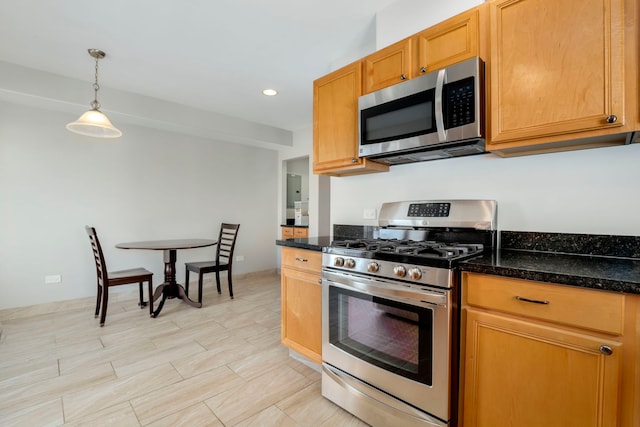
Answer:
(98, 298)
(150, 297)
(105, 299)
(186, 280)
(218, 281)
(200, 287)
(230, 283)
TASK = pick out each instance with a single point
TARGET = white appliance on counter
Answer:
(301, 213)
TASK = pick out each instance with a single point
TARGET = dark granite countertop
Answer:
(610, 263)
(311, 243)
(294, 226)
(605, 273)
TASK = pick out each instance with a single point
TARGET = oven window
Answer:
(394, 336)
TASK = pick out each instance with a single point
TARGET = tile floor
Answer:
(221, 365)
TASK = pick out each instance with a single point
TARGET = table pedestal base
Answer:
(170, 291)
(170, 288)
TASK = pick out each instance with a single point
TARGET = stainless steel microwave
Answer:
(434, 116)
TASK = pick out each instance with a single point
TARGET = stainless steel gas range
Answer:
(389, 311)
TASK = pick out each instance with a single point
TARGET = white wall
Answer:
(149, 184)
(589, 191)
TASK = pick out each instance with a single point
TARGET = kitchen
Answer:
(590, 191)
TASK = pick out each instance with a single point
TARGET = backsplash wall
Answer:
(591, 191)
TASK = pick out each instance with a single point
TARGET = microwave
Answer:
(437, 115)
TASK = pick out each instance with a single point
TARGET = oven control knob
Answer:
(415, 273)
(338, 262)
(373, 267)
(399, 271)
(349, 263)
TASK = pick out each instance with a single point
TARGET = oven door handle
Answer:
(389, 290)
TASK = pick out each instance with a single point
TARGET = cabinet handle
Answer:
(612, 118)
(301, 259)
(535, 301)
(423, 69)
(403, 77)
(354, 160)
(606, 350)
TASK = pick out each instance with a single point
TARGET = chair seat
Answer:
(129, 273)
(202, 265)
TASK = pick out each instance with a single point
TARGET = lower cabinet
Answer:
(294, 232)
(301, 299)
(537, 354)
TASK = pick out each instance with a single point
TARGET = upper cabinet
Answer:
(446, 43)
(561, 71)
(335, 124)
(335, 96)
(388, 66)
(450, 41)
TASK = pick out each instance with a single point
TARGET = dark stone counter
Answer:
(610, 263)
(610, 274)
(311, 243)
(604, 262)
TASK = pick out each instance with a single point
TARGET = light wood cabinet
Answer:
(294, 232)
(561, 74)
(457, 39)
(536, 354)
(287, 232)
(441, 45)
(301, 302)
(335, 124)
(388, 66)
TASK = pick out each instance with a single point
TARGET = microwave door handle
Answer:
(440, 81)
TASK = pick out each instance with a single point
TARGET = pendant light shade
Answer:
(94, 122)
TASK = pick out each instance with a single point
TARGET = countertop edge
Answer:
(555, 278)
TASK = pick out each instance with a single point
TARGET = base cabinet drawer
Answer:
(568, 305)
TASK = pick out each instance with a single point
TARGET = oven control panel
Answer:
(418, 274)
(429, 210)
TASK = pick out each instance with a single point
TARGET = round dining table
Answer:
(170, 288)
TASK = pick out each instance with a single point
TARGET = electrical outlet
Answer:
(369, 213)
(53, 279)
(240, 258)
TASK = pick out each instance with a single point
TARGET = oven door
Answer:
(391, 335)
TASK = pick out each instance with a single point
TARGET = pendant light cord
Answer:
(96, 87)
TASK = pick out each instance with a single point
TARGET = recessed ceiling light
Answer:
(270, 92)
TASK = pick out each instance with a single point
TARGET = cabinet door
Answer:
(300, 233)
(521, 374)
(335, 124)
(556, 69)
(287, 232)
(449, 42)
(301, 313)
(387, 66)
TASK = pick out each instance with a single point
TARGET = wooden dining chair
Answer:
(107, 279)
(224, 260)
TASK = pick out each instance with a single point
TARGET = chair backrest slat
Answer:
(101, 265)
(226, 242)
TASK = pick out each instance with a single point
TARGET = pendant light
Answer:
(94, 122)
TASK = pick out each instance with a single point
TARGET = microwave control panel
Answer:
(459, 103)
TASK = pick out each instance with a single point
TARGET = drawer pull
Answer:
(535, 301)
(606, 350)
(301, 259)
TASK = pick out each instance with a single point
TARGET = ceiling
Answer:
(212, 55)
